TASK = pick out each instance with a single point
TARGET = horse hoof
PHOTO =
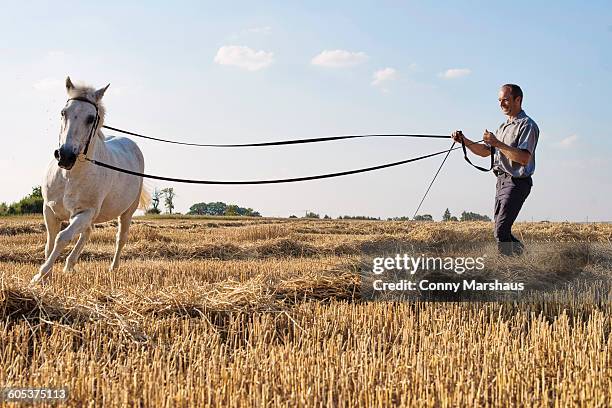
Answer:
(39, 279)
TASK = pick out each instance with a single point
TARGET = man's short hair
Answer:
(515, 90)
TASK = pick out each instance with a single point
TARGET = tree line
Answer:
(33, 204)
(166, 198)
(447, 216)
(30, 204)
(220, 208)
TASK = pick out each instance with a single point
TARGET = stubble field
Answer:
(270, 312)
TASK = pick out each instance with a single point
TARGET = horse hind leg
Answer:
(122, 234)
(73, 258)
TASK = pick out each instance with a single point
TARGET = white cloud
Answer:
(339, 58)
(568, 141)
(48, 84)
(384, 75)
(244, 57)
(455, 73)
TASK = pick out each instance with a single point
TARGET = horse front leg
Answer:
(78, 249)
(78, 224)
(53, 226)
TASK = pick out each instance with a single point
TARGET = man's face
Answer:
(509, 105)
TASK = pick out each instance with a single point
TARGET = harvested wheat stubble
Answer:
(40, 309)
(12, 230)
(254, 232)
(269, 313)
(338, 353)
(121, 310)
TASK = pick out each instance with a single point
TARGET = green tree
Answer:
(424, 217)
(359, 217)
(169, 195)
(403, 218)
(155, 200)
(232, 210)
(198, 209)
(30, 204)
(36, 192)
(219, 209)
(446, 216)
(471, 216)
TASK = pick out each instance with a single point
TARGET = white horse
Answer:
(83, 193)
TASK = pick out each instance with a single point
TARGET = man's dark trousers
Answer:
(510, 194)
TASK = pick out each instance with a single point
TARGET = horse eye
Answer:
(90, 119)
(63, 113)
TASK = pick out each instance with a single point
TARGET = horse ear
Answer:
(100, 93)
(69, 84)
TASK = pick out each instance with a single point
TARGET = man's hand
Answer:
(457, 136)
(475, 148)
(490, 139)
(520, 156)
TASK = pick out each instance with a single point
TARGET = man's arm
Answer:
(477, 149)
(517, 155)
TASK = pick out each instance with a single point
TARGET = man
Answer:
(514, 163)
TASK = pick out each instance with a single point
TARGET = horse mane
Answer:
(89, 93)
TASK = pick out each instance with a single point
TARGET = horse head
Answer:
(81, 118)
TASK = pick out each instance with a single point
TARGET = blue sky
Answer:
(221, 72)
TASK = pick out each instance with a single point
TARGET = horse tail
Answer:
(144, 201)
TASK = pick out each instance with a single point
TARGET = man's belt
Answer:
(501, 173)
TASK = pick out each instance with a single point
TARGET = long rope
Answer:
(273, 181)
(434, 179)
(277, 143)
